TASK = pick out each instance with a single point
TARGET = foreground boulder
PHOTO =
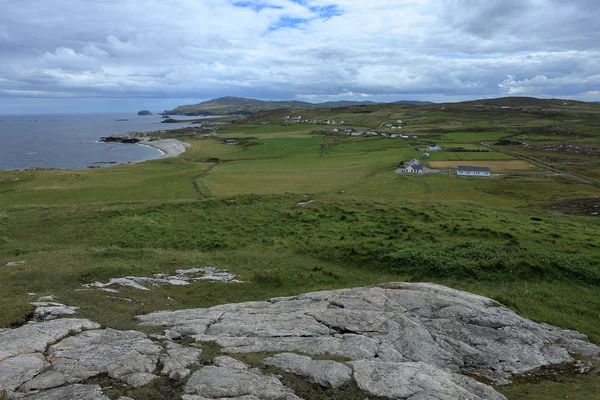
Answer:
(400, 341)
(418, 329)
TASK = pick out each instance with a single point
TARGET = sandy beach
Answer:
(170, 147)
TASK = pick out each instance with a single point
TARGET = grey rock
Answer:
(324, 372)
(228, 362)
(14, 263)
(181, 277)
(72, 392)
(417, 380)
(423, 329)
(46, 310)
(126, 355)
(47, 298)
(17, 370)
(35, 338)
(177, 359)
(231, 380)
(397, 322)
(194, 397)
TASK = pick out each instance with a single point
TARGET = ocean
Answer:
(71, 141)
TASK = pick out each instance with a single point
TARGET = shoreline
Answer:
(169, 147)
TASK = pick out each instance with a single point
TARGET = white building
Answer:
(415, 168)
(463, 170)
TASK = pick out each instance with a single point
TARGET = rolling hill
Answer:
(240, 105)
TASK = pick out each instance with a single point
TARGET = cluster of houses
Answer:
(352, 132)
(298, 119)
(392, 126)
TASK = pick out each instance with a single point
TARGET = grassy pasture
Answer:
(153, 180)
(471, 137)
(496, 166)
(235, 207)
(458, 156)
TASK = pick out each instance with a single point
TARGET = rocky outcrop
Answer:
(402, 341)
(324, 372)
(144, 112)
(73, 392)
(176, 360)
(230, 378)
(429, 328)
(22, 350)
(181, 277)
(416, 381)
(125, 355)
(47, 310)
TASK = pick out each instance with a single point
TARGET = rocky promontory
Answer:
(398, 340)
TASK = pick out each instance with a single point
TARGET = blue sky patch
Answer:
(254, 6)
(287, 22)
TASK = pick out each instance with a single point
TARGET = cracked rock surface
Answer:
(230, 378)
(401, 340)
(22, 350)
(432, 329)
(416, 381)
(177, 359)
(47, 310)
(125, 355)
(324, 372)
(73, 392)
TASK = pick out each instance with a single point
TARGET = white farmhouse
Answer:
(434, 147)
(415, 168)
(463, 170)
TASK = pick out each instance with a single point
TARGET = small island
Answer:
(144, 112)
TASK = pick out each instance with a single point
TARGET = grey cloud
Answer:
(188, 49)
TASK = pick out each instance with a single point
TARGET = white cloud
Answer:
(317, 49)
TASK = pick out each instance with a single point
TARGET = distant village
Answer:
(351, 131)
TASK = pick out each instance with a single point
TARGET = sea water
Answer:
(71, 141)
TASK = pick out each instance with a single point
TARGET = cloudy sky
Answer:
(124, 55)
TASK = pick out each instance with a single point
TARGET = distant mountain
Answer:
(518, 101)
(412, 102)
(343, 103)
(239, 105)
(231, 105)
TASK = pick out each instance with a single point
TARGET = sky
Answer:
(126, 55)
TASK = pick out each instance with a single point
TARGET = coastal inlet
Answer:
(169, 147)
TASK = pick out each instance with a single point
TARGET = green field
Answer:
(236, 207)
